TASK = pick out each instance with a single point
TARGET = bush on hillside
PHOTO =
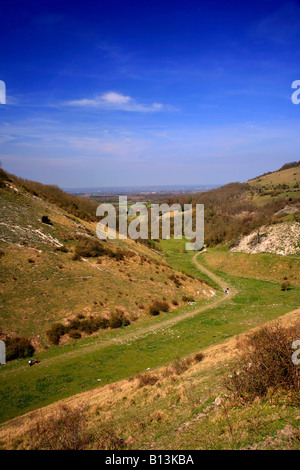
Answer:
(89, 325)
(89, 249)
(18, 348)
(266, 364)
(54, 333)
(285, 286)
(158, 306)
(147, 379)
(83, 208)
(118, 319)
(188, 298)
(93, 248)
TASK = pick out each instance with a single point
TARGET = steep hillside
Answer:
(54, 269)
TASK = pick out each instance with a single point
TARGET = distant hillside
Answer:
(238, 209)
(288, 176)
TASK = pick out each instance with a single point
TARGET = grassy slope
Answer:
(76, 367)
(178, 412)
(264, 266)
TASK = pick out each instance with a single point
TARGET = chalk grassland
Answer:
(87, 363)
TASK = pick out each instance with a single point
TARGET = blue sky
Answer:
(115, 93)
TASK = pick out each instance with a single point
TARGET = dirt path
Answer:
(214, 277)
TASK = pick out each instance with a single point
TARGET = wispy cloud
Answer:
(117, 101)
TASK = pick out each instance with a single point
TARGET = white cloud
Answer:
(113, 97)
(116, 101)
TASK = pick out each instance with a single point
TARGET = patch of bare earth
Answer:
(281, 239)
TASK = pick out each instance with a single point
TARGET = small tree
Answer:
(285, 286)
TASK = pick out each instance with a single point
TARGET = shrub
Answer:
(102, 323)
(55, 332)
(3, 177)
(88, 326)
(266, 364)
(164, 306)
(119, 256)
(73, 324)
(285, 286)
(89, 249)
(188, 298)
(181, 365)
(17, 348)
(147, 379)
(198, 357)
(154, 310)
(175, 279)
(159, 306)
(118, 319)
(92, 324)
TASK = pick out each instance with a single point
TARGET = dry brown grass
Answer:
(67, 429)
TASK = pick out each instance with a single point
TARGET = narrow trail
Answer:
(214, 277)
(130, 336)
